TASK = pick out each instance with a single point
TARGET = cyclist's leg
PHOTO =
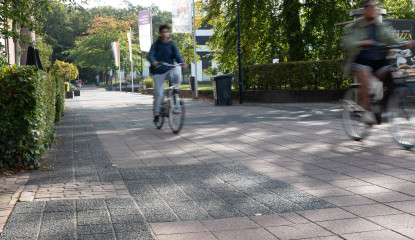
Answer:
(177, 77)
(363, 75)
(158, 93)
(384, 74)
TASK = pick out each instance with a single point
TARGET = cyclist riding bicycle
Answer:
(163, 50)
(364, 57)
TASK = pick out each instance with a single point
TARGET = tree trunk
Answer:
(17, 52)
(292, 29)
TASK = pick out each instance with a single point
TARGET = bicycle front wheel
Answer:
(352, 115)
(176, 114)
(401, 116)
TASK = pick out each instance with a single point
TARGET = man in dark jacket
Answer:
(163, 50)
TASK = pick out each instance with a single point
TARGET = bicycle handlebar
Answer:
(169, 65)
(389, 47)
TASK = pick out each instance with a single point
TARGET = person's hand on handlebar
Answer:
(154, 64)
(409, 44)
(185, 65)
(367, 43)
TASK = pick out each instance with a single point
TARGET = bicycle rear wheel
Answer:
(176, 114)
(401, 116)
(352, 115)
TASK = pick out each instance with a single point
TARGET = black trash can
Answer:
(192, 83)
(222, 89)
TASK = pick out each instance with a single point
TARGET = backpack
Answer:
(152, 69)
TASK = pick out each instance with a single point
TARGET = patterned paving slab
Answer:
(212, 191)
(65, 191)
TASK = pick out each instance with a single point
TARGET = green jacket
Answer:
(356, 33)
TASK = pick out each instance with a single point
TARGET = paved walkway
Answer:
(256, 171)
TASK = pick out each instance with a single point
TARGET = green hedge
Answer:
(293, 76)
(60, 98)
(27, 114)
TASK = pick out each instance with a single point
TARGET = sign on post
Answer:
(405, 58)
(144, 27)
(182, 16)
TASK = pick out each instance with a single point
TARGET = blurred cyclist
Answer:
(163, 50)
(363, 55)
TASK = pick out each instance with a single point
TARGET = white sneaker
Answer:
(176, 109)
(368, 118)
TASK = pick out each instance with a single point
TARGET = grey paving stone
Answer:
(48, 236)
(28, 217)
(60, 206)
(6, 236)
(250, 207)
(121, 203)
(30, 222)
(108, 236)
(90, 204)
(218, 208)
(24, 207)
(189, 211)
(93, 217)
(126, 218)
(277, 204)
(128, 174)
(94, 229)
(58, 227)
(58, 215)
(133, 232)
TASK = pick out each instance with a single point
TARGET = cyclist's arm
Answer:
(152, 54)
(351, 42)
(176, 54)
(387, 35)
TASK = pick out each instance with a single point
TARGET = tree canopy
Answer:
(64, 70)
(289, 30)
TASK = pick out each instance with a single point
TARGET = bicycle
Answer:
(142, 88)
(172, 106)
(398, 108)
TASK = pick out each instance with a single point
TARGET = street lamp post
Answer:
(125, 74)
(241, 101)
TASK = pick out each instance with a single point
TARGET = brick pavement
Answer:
(257, 171)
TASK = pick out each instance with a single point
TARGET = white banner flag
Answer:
(144, 27)
(182, 16)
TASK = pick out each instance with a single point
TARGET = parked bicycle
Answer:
(398, 108)
(172, 106)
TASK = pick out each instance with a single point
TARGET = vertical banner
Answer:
(403, 29)
(115, 51)
(144, 27)
(130, 45)
(182, 16)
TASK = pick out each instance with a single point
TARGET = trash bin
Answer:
(222, 89)
(192, 83)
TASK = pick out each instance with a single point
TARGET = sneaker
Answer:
(156, 119)
(176, 109)
(368, 118)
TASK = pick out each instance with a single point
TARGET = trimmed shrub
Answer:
(27, 114)
(67, 86)
(148, 82)
(60, 98)
(293, 76)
